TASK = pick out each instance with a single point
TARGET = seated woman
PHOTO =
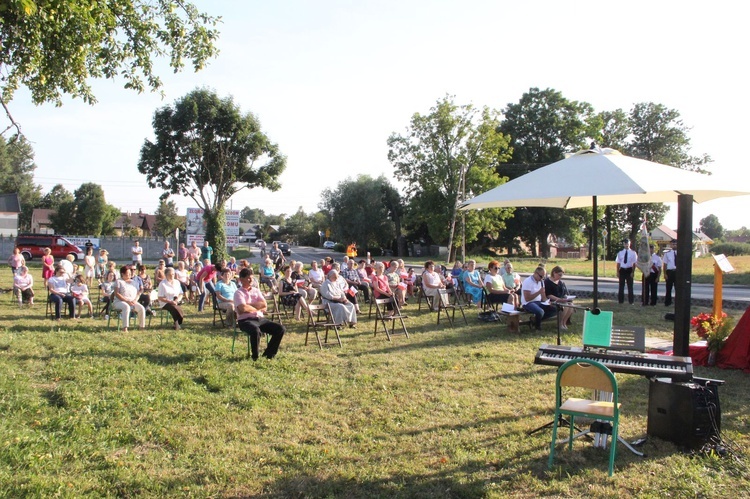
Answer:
(107, 287)
(315, 275)
(59, 292)
(159, 273)
(23, 286)
(170, 295)
(80, 292)
(225, 290)
(432, 283)
(456, 272)
(557, 292)
(380, 286)
(306, 289)
(182, 277)
(472, 283)
(289, 294)
(126, 299)
(511, 279)
(495, 287)
(268, 274)
(143, 284)
(343, 310)
(395, 283)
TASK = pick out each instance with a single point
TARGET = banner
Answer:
(196, 227)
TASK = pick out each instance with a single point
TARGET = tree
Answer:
(356, 212)
(711, 227)
(167, 219)
(86, 214)
(17, 176)
(543, 126)
(207, 150)
(56, 197)
(252, 215)
(655, 133)
(54, 48)
(446, 157)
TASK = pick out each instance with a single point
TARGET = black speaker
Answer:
(687, 414)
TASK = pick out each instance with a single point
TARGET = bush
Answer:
(340, 248)
(731, 249)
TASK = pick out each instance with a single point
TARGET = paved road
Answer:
(575, 284)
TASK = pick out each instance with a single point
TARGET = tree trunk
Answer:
(215, 232)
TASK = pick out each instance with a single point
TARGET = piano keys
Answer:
(644, 364)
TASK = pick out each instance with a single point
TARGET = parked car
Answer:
(32, 246)
(329, 245)
(257, 243)
(286, 250)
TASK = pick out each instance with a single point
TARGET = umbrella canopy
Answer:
(609, 176)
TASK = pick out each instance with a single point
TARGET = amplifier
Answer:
(687, 413)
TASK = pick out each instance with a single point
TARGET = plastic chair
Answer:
(586, 373)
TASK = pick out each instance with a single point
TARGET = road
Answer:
(740, 294)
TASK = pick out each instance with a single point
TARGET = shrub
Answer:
(340, 248)
(731, 249)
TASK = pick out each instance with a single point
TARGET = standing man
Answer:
(206, 251)
(626, 260)
(250, 307)
(137, 252)
(670, 270)
(194, 253)
(652, 280)
(168, 254)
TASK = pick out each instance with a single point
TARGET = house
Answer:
(701, 243)
(145, 223)
(663, 235)
(40, 223)
(10, 208)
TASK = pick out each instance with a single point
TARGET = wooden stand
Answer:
(514, 323)
(721, 265)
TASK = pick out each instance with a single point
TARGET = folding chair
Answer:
(218, 311)
(320, 316)
(381, 317)
(586, 373)
(273, 311)
(445, 306)
(429, 300)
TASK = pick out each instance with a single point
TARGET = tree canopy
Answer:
(55, 47)
(205, 148)
(17, 175)
(711, 227)
(86, 214)
(445, 157)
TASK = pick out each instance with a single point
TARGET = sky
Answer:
(330, 81)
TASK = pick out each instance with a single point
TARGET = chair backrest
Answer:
(587, 373)
(597, 328)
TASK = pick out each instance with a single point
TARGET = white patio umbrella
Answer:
(604, 177)
(607, 175)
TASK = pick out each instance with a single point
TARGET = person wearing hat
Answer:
(670, 270)
(652, 280)
(626, 260)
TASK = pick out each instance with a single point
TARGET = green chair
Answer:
(586, 373)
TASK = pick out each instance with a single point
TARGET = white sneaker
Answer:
(106, 317)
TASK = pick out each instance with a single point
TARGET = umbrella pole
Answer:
(595, 251)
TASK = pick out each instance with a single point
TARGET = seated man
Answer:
(533, 297)
(250, 307)
(59, 292)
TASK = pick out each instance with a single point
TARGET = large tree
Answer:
(86, 214)
(56, 197)
(356, 212)
(167, 219)
(55, 47)
(543, 125)
(653, 132)
(711, 227)
(205, 148)
(17, 176)
(446, 157)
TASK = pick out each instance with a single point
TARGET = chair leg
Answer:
(554, 440)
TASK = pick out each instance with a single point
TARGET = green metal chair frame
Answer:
(586, 373)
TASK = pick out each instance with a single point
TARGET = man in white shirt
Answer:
(533, 297)
(137, 252)
(626, 260)
(670, 270)
(652, 280)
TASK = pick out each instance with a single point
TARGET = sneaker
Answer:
(106, 317)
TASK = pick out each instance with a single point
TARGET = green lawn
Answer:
(94, 412)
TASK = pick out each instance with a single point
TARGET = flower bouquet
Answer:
(715, 330)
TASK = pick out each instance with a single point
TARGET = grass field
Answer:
(89, 411)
